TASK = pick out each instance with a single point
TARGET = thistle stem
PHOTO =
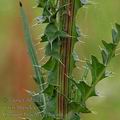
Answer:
(66, 22)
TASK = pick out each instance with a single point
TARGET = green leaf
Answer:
(49, 65)
(54, 51)
(105, 56)
(41, 3)
(78, 107)
(75, 33)
(46, 117)
(30, 46)
(108, 52)
(52, 75)
(39, 102)
(117, 36)
(74, 59)
(44, 38)
(97, 70)
(114, 36)
(49, 90)
(86, 90)
(75, 56)
(51, 31)
(62, 34)
(85, 73)
(51, 109)
(77, 5)
(73, 116)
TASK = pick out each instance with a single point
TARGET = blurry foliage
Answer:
(96, 22)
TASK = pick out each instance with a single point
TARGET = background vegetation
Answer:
(95, 21)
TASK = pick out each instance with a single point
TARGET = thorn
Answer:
(35, 94)
(35, 22)
(43, 106)
(93, 3)
(25, 118)
(41, 59)
(101, 96)
(61, 62)
(93, 112)
(113, 73)
(84, 35)
(117, 54)
(20, 3)
(37, 44)
(81, 41)
(85, 67)
(100, 47)
(40, 49)
(67, 76)
(43, 84)
(39, 38)
(83, 61)
(35, 6)
(29, 92)
(38, 66)
(41, 111)
(79, 68)
(118, 49)
(34, 25)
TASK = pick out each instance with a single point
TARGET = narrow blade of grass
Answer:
(30, 46)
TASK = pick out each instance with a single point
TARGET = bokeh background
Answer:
(95, 21)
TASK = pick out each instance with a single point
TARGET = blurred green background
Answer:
(95, 21)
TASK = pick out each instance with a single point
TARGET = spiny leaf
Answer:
(52, 75)
(116, 38)
(105, 56)
(49, 90)
(31, 49)
(108, 52)
(75, 56)
(74, 59)
(41, 3)
(78, 107)
(44, 38)
(97, 70)
(49, 65)
(51, 31)
(62, 34)
(38, 100)
(51, 107)
(73, 116)
(54, 51)
(76, 33)
(85, 89)
(46, 117)
(85, 73)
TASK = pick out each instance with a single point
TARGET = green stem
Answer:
(66, 22)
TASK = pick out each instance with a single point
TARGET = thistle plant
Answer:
(60, 95)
